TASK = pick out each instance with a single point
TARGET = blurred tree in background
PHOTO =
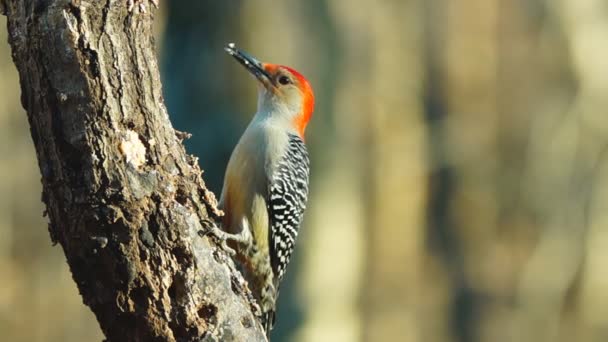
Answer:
(459, 183)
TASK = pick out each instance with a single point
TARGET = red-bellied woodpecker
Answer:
(266, 183)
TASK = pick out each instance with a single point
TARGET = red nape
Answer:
(308, 103)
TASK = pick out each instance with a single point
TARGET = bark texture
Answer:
(124, 200)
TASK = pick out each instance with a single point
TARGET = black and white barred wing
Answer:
(288, 196)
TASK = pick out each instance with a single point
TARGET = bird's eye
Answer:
(284, 80)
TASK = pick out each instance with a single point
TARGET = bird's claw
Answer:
(221, 236)
(141, 5)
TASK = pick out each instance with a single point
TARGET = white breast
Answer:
(252, 162)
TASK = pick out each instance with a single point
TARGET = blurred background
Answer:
(459, 167)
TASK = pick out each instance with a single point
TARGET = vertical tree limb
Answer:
(124, 200)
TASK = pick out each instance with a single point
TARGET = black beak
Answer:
(254, 66)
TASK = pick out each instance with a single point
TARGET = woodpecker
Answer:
(266, 183)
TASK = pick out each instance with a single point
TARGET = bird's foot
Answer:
(221, 236)
(141, 5)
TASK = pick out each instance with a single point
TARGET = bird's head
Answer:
(283, 91)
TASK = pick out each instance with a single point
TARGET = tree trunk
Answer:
(125, 201)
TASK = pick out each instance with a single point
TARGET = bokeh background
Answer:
(459, 167)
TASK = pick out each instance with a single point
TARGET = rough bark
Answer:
(124, 200)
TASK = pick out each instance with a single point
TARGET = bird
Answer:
(265, 190)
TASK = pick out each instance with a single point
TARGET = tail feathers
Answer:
(268, 322)
(271, 294)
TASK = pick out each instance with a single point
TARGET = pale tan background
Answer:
(460, 175)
